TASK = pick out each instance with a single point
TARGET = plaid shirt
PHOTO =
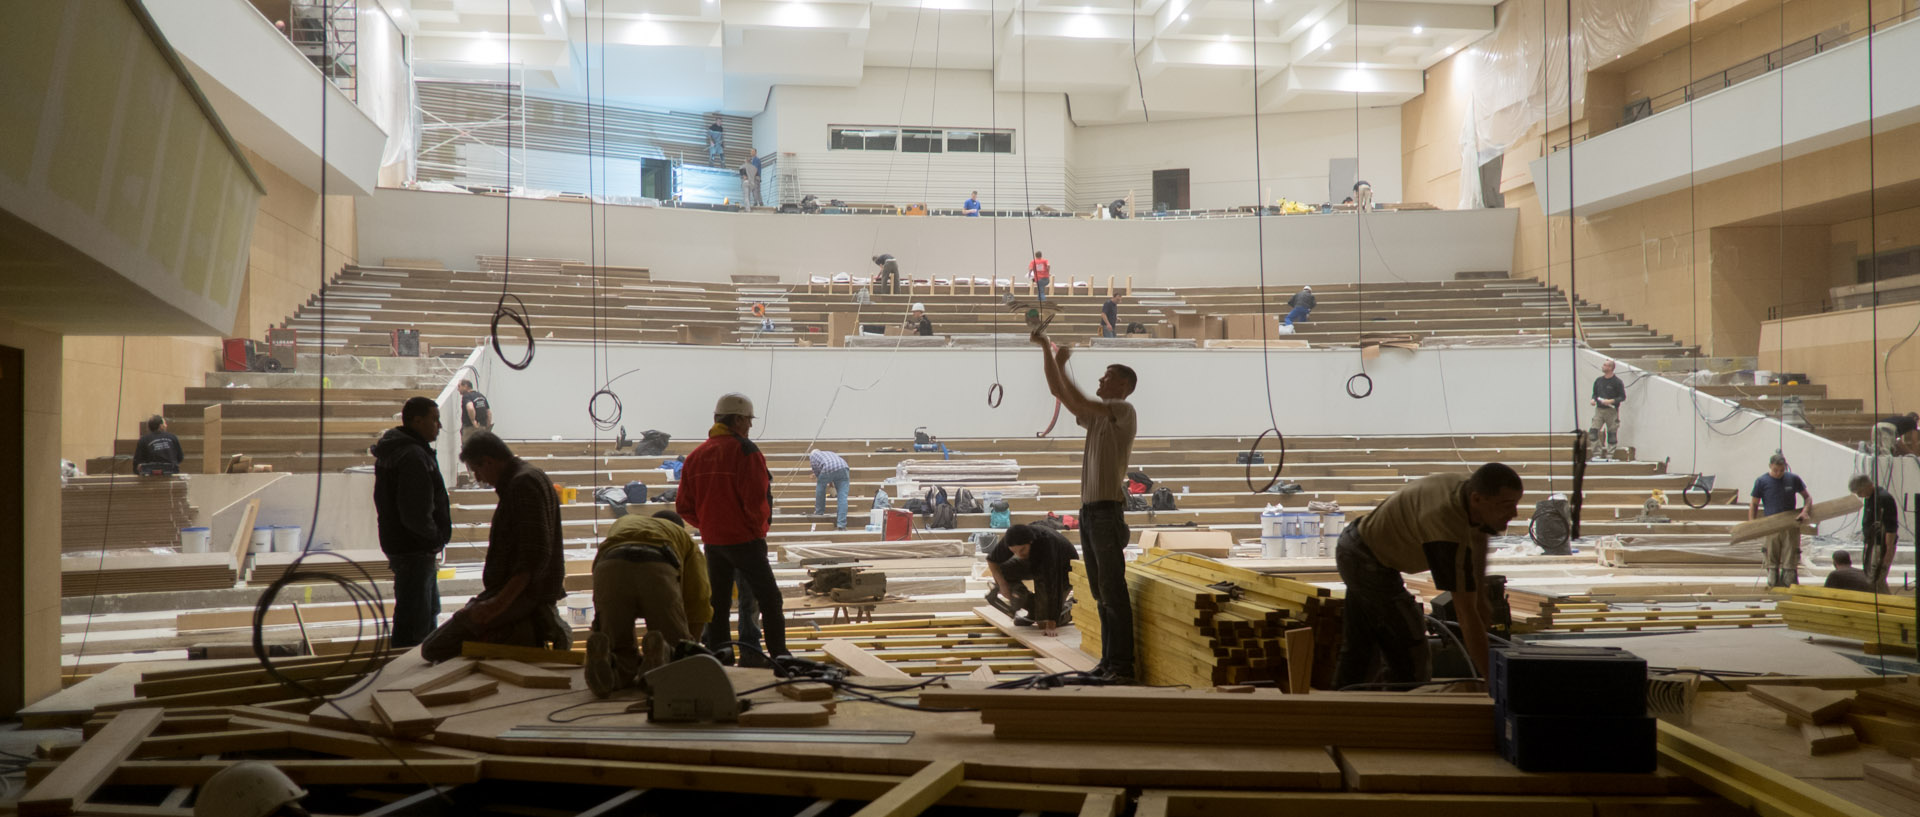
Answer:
(825, 462)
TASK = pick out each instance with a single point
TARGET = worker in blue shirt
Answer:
(972, 207)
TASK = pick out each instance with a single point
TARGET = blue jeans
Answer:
(1106, 331)
(1103, 542)
(1040, 289)
(842, 482)
(1298, 313)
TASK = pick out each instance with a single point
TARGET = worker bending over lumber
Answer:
(1110, 423)
(648, 568)
(1436, 524)
(1031, 552)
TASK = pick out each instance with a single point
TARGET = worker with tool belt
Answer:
(1037, 554)
(648, 567)
(1439, 524)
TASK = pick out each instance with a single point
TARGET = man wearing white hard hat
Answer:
(917, 323)
(250, 789)
(726, 493)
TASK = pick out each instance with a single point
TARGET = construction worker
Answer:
(1439, 524)
(726, 492)
(648, 567)
(1879, 528)
(1777, 491)
(1608, 394)
(249, 789)
(1037, 554)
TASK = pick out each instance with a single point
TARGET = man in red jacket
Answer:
(726, 493)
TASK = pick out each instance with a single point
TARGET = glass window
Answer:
(921, 140)
(976, 141)
(856, 138)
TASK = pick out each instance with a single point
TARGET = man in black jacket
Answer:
(416, 521)
(1299, 305)
(1608, 394)
(158, 452)
(1031, 552)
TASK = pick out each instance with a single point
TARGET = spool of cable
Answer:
(1280, 461)
(995, 394)
(1363, 379)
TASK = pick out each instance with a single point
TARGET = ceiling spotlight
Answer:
(1418, 29)
(1451, 49)
(548, 18)
(1327, 47)
(1185, 17)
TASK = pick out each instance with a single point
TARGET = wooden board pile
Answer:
(1346, 719)
(1202, 623)
(1577, 617)
(114, 513)
(958, 472)
(1884, 622)
(269, 567)
(140, 572)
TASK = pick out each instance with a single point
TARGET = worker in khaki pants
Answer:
(1775, 492)
(648, 568)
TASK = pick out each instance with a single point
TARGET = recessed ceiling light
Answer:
(1225, 38)
(485, 33)
(1185, 17)
(548, 18)
(1451, 49)
(1418, 29)
(1327, 47)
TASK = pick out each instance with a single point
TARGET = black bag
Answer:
(942, 518)
(652, 443)
(921, 437)
(1163, 499)
(963, 502)
(1138, 502)
(1139, 483)
(999, 506)
(934, 498)
(1242, 459)
(917, 504)
(668, 495)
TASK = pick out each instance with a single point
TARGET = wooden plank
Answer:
(1050, 647)
(530, 655)
(68, 786)
(303, 772)
(807, 691)
(432, 678)
(1102, 805)
(1819, 706)
(403, 714)
(244, 536)
(859, 661)
(249, 676)
(210, 460)
(1299, 660)
(1745, 781)
(472, 688)
(526, 675)
(1789, 520)
(1828, 738)
(793, 714)
(915, 794)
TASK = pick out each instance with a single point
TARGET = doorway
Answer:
(13, 531)
(1170, 190)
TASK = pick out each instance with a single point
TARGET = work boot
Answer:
(600, 675)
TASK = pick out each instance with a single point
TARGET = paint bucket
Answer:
(262, 539)
(195, 540)
(286, 538)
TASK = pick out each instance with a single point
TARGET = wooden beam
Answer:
(1789, 520)
(526, 675)
(243, 537)
(530, 655)
(68, 786)
(472, 688)
(1825, 739)
(917, 793)
(210, 460)
(1747, 782)
(1299, 660)
(1818, 706)
(303, 772)
(1047, 646)
(1103, 805)
(435, 677)
(859, 661)
(403, 714)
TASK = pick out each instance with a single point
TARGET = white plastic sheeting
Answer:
(1533, 68)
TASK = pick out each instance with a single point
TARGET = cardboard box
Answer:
(839, 326)
(1247, 327)
(1189, 325)
(1216, 328)
(1198, 541)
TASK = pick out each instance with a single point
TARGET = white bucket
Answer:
(1272, 522)
(286, 538)
(262, 539)
(195, 540)
(1273, 547)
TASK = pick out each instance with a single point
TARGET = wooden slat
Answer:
(859, 661)
(66, 787)
(918, 792)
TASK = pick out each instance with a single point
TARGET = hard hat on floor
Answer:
(250, 789)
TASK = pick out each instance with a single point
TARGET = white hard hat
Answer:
(919, 307)
(735, 403)
(1306, 287)
(250, 789)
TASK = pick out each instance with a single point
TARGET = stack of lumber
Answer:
(1577, 617)
(958, 472)
(269, 567)
(1358, 720)
(1201, 623)
(1644, 551)
(141, 572)
(112, 513)
(914, 549)
(1884, 622)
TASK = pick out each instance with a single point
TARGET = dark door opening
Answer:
(1170, 190)
(656, 179)
(13, 531)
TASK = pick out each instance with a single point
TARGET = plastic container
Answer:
(1301, 530)
(899, 525)
(262, 539)
(195, 540)
(286, 538)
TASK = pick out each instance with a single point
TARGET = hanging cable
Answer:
(516, 314)
(113, 480)
(1260, 258)
(995, 392)
(1133, 39)
(1359, 386)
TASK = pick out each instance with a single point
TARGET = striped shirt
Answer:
(825, 462)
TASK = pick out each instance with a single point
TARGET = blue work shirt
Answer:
(1777, 495)
(972, 207)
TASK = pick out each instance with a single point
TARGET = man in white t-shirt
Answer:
(1110, 424)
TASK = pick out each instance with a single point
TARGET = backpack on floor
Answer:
(1163, 499)
(1067, 521)
(1139, 483)
(1138, 502)
(668, 495)
(963, 502)
(1051, 523)
(934, 498)
(942, 518)
(652, 443)
(881, 501)
(1000, 517)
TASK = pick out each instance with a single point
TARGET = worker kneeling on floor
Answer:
(1439, 524)
(648, 568)
(1032, 553)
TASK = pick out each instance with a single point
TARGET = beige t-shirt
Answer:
(1103, 466)
(1424, 527)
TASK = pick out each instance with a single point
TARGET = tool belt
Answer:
(642, 553)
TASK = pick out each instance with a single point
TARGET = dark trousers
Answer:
(416, 598)
(524, 623)
(1381, 622)
(1103, 542)
(750, 558)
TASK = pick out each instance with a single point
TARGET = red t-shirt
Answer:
(1040, 269)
